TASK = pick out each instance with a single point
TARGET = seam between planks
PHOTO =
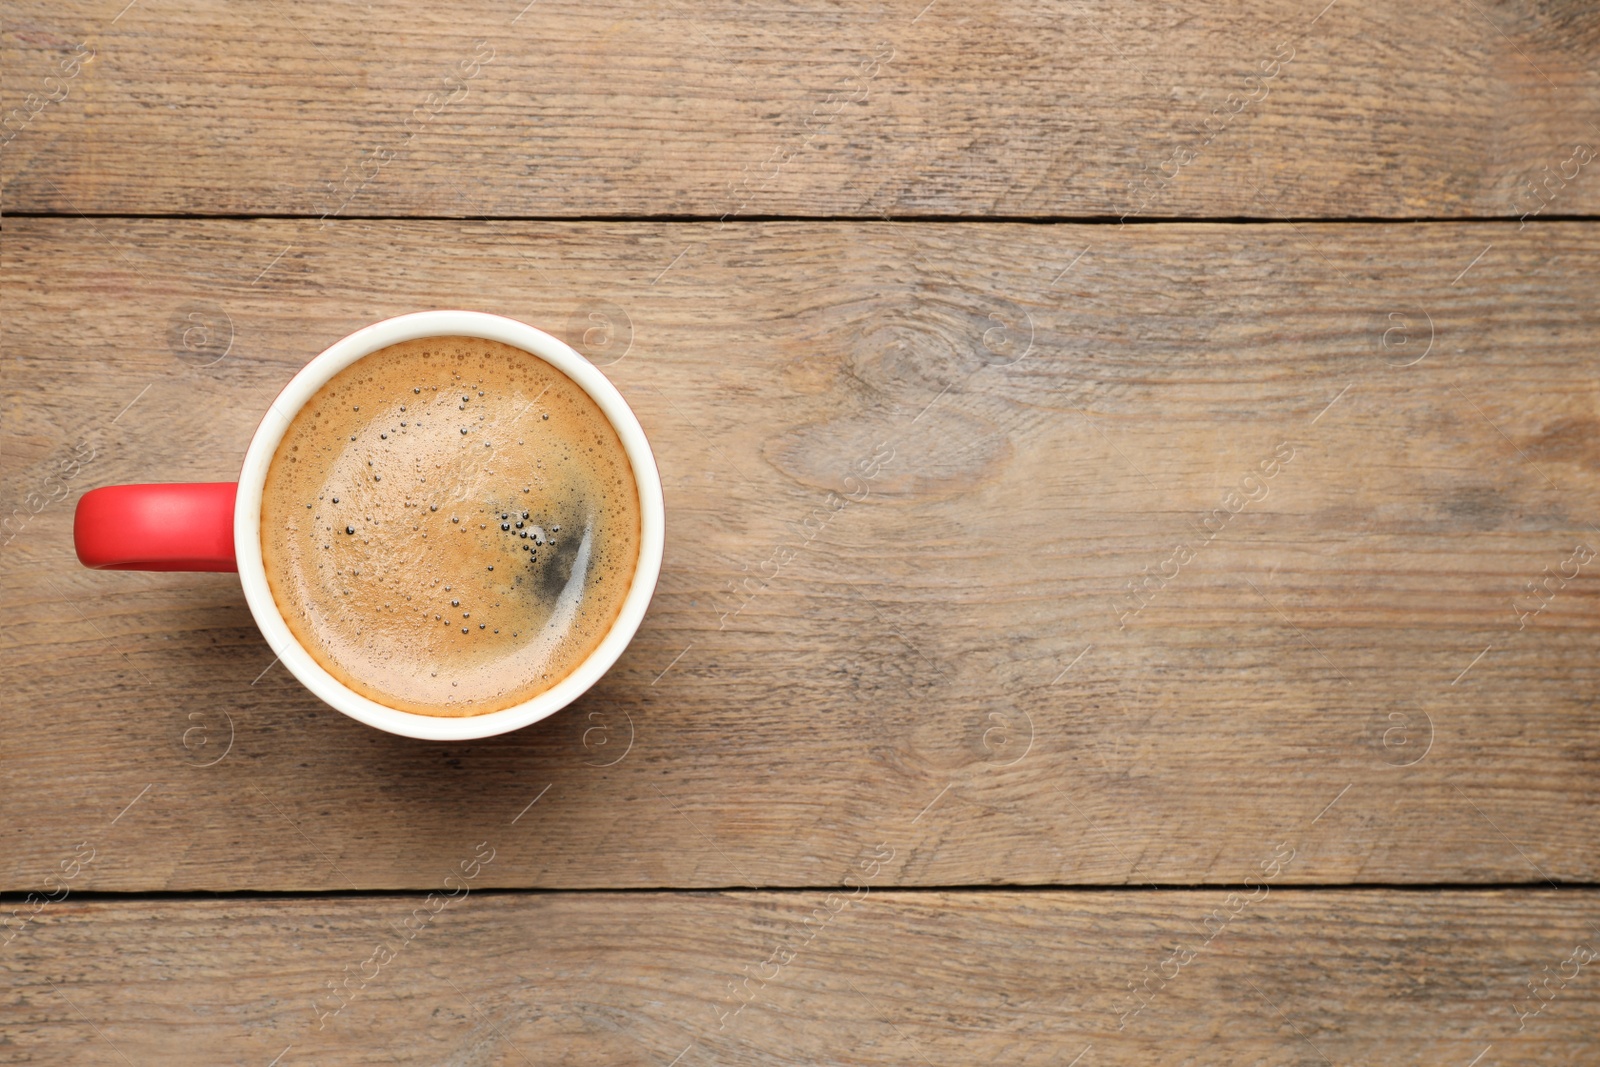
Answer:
(1013, 220)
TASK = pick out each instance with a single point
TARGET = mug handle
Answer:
(172, 527)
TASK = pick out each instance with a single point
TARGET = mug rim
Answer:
(304, 385)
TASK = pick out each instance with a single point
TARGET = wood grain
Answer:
(951, 660)
(911, 109)
(1030, 978)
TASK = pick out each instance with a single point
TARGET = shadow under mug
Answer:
(216, 526)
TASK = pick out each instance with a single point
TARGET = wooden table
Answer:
(1206, 676)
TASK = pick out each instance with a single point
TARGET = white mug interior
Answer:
(313, 376)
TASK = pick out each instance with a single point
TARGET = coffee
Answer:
(450, 526)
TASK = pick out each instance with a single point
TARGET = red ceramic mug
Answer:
(216, 526)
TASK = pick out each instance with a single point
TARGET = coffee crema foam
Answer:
(450, 526)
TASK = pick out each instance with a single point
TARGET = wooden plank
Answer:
(952, 660)
(1271, 108)
(803, 978)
